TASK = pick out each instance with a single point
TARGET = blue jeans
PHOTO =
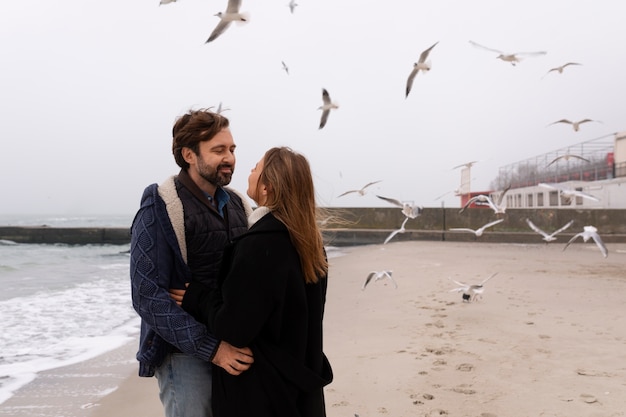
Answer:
(185, 386)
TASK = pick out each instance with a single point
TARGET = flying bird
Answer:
(360, 191)
(395, 232)
(466, 165)
(377, 276)
(567, 157)
(471, 292)
(575, 125)
(507, 57)
(590, 232)
(561, 68)
(220, 109)
(292, 5)
(548, 237)
(285, 67)
(568, 192)
(499, 206)
(231, 15)
(420, 65)
(326, 107)
(409, 210)
(480, 198)
(166, 2)
(478, 232)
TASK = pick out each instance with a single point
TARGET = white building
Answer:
(588, 175)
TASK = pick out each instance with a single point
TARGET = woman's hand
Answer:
(177, 295)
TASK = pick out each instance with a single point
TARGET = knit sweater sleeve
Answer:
(156, 265)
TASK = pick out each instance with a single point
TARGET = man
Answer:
(179, 234)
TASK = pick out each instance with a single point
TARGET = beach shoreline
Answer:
(547, 338)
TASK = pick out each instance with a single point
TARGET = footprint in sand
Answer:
(463, 389)
(437, 412)
(588, 398)
(465, 367)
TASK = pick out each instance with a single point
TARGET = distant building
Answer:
(588, 175)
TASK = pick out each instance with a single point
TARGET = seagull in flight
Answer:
(326, 107)
(480, 198)
(409, 210)
(471, 292)
(231, 15)
(575, 125)
(420, 65)
(567, 157)
(507, 57)
(292, 5)
(478, 232)
(166, 2)
(561, 68)
(220, 109)
(395, 232)
(362, 190)
(498, 207)
(568, 192)
(466, 165)
(285, 67)
(548, 237)
(590, 232)
(377, 276)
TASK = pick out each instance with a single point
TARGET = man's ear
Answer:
(188, 155)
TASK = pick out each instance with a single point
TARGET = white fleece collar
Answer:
(256, 215)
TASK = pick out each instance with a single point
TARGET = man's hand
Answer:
(232, 359)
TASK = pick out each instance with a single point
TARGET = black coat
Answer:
(264, 303)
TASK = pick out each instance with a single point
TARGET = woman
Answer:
(270, 297)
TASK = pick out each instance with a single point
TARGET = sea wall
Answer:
(358, 226)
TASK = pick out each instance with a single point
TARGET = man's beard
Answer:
(214, 176)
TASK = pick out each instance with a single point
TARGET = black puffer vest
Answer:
(206, 232)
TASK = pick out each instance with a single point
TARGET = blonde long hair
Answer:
(291, 198)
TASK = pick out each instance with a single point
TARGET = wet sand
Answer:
(547, 338)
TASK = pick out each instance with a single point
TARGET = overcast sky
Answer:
(90, 89)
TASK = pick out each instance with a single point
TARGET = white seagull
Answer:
(507, 57)
(220, 109)
(420, 65)
(590, 232)
(568, 192)
(326, 107)
(498, 207)
(561, 68)
(231, 15)
(478, 232)
(548, 237)
(285, 67)
(466, 165)
(567, 157)
(395, 232)
(292, 5)
(575, 125)
(409, 210)
(361, 191)
(377, 276)
(471, 292)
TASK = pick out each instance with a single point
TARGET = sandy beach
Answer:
(548, 338)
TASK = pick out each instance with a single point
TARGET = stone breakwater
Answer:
(364, 226)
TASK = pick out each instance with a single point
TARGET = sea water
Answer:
(61, 304)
